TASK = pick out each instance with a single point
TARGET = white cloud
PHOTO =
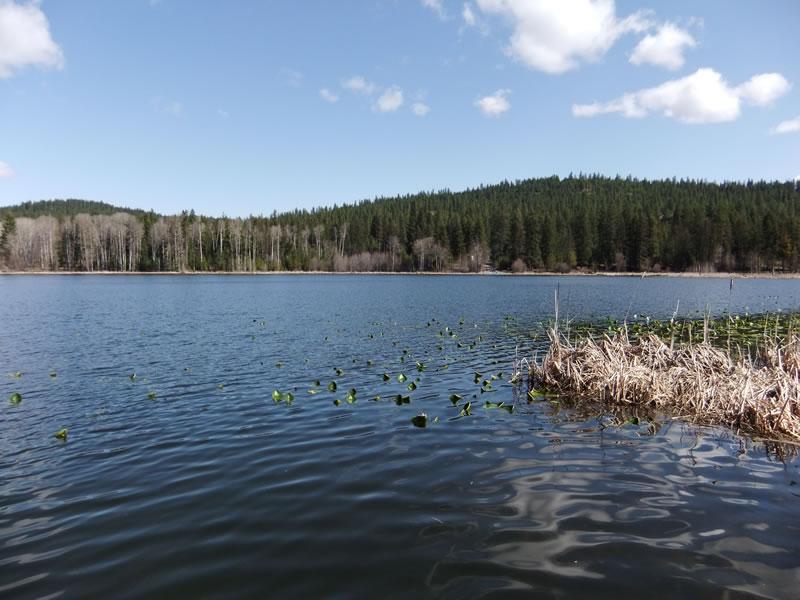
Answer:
(328, 95)
(468, 15)
(173, 108)
(5, 170)
(223, 114)
(25, 39)
(420, 109)
(390, 100)
(360, 85)
(764, 89)
(790, 126)
(702, 97)
(663, 48)
(555, 36)
(436, 6)
(496, 104)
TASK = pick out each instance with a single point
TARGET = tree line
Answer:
(555, 224)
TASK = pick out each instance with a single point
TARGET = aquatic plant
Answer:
(695, 381)
(15, 398)
(421, 420)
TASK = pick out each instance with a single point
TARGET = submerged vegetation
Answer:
(754, 390)
(583, 222)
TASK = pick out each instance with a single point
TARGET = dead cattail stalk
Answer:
(698, 381)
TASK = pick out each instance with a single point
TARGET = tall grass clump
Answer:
(757, 393)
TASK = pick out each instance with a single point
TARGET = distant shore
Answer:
(641, 275)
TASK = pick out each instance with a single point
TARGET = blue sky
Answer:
(248, 107)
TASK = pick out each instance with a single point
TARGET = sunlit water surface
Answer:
(212, 489)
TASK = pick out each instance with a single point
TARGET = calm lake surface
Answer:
(214, 490)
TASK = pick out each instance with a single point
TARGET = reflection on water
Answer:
(215, 490)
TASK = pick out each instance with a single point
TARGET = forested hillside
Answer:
(594, 223)
(64, 208)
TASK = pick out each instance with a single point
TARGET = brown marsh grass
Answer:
(756, 394)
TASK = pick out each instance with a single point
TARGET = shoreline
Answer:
(640, 275)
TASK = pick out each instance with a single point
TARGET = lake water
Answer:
(214, 490)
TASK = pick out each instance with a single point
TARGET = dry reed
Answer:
(696, 382)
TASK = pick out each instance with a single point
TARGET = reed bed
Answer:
(755, 394)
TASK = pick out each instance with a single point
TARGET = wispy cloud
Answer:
(359, 85)
(172, 108)
(789, 126)
(293, 77)
(702, 97)
(328, 95)
(5, 170)
(390, 100)
(436, 6)
(468, 16)
(496, 104)
(420, 109)
(223, 114)
(25, 39)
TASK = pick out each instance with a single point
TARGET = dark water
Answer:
(220, 492)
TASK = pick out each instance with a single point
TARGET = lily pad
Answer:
(402, 378)
(386, 377)
(332, 386)
(151, 395)
(15, 398)
(421, 420)
(411, 386)
(276, 395)
(61, 434)
(466, 410)
(455, 399)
